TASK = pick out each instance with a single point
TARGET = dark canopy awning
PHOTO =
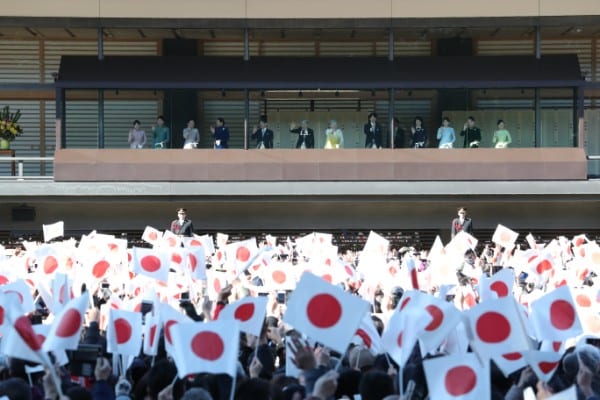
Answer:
(154, 72)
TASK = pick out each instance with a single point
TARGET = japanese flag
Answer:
(170, 240)
(249, 311)
(554, 316)
(592, 254)
(62, 291)
(151, 235)
(178, 258)
(206, 347)
(151, 333)
(206, 241)
(152, 263)
(543, 363)
(401, 333)
(443, 318)
(376, 244)
(504, 237)
(324, 312)
(510, 362)
(531, 241)
(64, 334)
(124, 333)
(278, 277)
(196, 263)
(169, 317)
(495, 328)
(19, 291)
(222, 239)
(240, 255)
(52, 231)
(13, 345)
(48, 259)
(457, 377)
(99, 267)
(367, 336)
(215, 282)
(461, 242)
(498, 285)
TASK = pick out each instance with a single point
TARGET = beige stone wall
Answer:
(297, 8)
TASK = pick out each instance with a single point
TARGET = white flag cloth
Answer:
(568, 394)
(196, 263)
(206, 241)
(124, 333)
(206, 347)
(367, 335)
(376, 244)
(324, 312)
(510, 362)
(457, 377)
(495, 328)
(152, 329)
(66, 327)
(151, 235)
(554, 316)
(543, 363)
(498, 285)
(401, 332)
(169, 317)
(249, 312)
(504, 237)
(241, 254)
(52, 231)
(19, 291)
(152, 263)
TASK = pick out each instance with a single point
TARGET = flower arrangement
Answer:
(9, 124)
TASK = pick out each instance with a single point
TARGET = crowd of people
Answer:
(334, 136)
(284, 362)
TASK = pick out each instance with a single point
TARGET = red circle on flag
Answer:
(195, 242)
(242, 254)
(556, 345)
(328, 262)
(500, 288)
(579, 241)
(69, 324)
(324, 310)
(392, 270)
(399, 339)
(327, 278)
(50, 264)
(505, 237)
(492, 327)
(438, 317)
(217, 285)
(583, 300)
(172, 242)
(176, 258)
(279, 277)
(150, 263)
(193, 262)
(25, 331)
(1, 315)
(19, 295)
(365, 337)
(152, 334)
(349, 270)
(562, 314)
(404, 303)
(460, 380)
(123, 330)
(40, 338)
(168, 326)
(100, 268)
(244, 312)
(512, 356)
(208, 345)
(153, 235)
(546, 367)
(544, 265)
(3, 280)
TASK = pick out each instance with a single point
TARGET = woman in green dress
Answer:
(501, 138)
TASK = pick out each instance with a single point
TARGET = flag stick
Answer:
(233, 383)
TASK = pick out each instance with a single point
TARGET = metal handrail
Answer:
(19, 160)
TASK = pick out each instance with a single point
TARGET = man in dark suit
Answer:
(373, 132)
(462, 223)
(263, 135)
(182, 225)
(306, 136)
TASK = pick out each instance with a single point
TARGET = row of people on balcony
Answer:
(334, 136)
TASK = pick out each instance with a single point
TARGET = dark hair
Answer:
(500, 121)
(253, 389)
(221, 120)
(78, 393)
(375, 385)
(373, 114)
(263, 118)
(446, 119)
(137, 121)
(471, 118)
(418, 119)
(396, 121)
(348, 383)
(160, 376)
(15, 389)
(461, 208)
(181, 209)
(161, 117)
